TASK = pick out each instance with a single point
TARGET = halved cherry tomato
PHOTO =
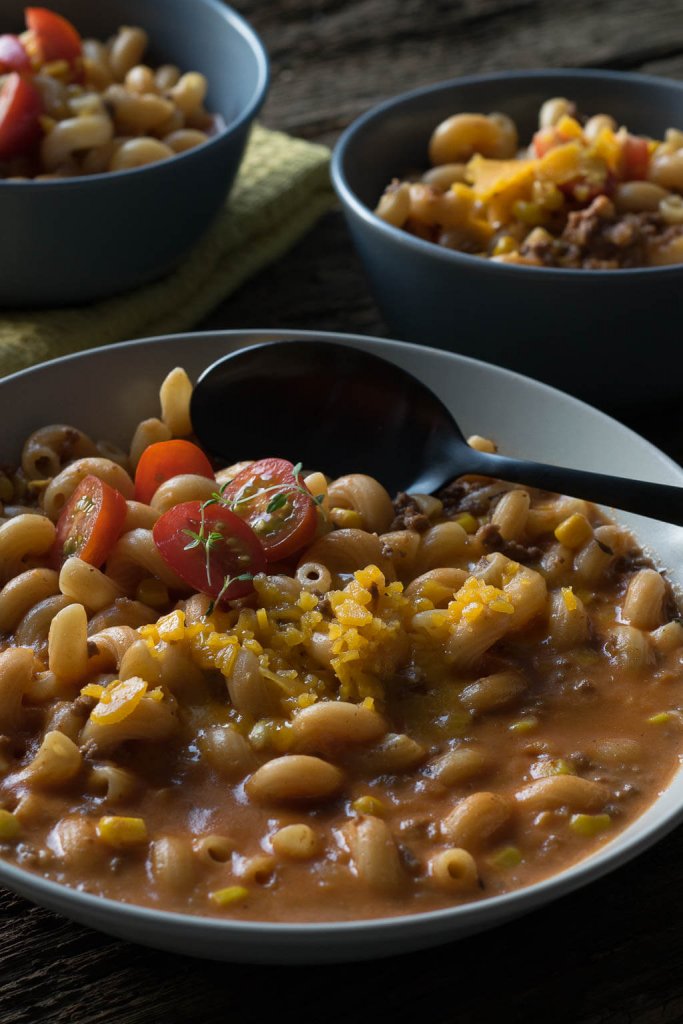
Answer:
(90, 523)
(166, 459)
(635, 158)
(55, 38)
(276, 504)
(209, 547)
(13, 56)
(20, 108)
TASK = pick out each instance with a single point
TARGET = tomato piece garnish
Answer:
(271, 496)
(546, 139)
(13, 56)
(20, 108)
(167, 459)
(90, 523)
(210, 548)
(635, 158)
(55, 38)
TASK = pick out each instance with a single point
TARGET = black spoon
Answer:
(344, 410)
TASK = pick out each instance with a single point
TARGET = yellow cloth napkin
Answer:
(282, 188)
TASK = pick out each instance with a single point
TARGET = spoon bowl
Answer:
(329, 405)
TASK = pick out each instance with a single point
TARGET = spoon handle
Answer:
(658, 501)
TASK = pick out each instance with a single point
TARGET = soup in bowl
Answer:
(255, 699)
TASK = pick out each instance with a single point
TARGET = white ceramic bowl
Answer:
(108, 390)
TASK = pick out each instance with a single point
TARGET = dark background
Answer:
(610, 954)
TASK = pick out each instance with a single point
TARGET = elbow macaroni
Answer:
(400, 710)
(116, 114)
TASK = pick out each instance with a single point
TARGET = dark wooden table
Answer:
(609, 954)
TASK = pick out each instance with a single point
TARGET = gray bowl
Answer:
(78, 239)
(612, 337)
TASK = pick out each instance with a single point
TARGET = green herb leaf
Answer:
(276, 503)
(227, 582)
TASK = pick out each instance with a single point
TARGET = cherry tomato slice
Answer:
(276, 504)
(635, 158)
(209, 547)
(13, 56)
(55, 37)
(90, 523)
(166, 459)
(20, 108)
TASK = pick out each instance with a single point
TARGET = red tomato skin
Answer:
(544, 140)
(172, 544)
(20, 108)
(105, 522)
(278, 472)
(13, 56)
(167, 459)
(635, 158)
(56, 38)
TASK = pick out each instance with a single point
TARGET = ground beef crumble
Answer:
(597, 238)
(409, 515)
(491, 540)
(470, 495)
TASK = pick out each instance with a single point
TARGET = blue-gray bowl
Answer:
(74, 240)
(612, 337)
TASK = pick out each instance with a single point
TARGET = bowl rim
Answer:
(239, 25)
(351, 200)
(433, 926)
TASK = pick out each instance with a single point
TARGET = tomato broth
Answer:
(264, 694)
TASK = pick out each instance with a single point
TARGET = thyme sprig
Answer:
(227, 582)
(278, 501)
(202, 539)
(208, 539)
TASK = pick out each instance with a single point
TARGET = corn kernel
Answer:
(574, 531)
(231, 894)
(659, 719)
(121, 832)
(507, 857)
(152, 592)
(346, 518)
(468, 522)
(9, 826)
(523, 725)
(368, 805)
(547, 195)
(529, 213)
(504, 245)
(569, 598)
(589, 824)
(552, 766)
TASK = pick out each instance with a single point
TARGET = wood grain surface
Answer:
(609, 954)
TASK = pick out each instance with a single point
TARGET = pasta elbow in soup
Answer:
(260, 693)
(71, 107)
